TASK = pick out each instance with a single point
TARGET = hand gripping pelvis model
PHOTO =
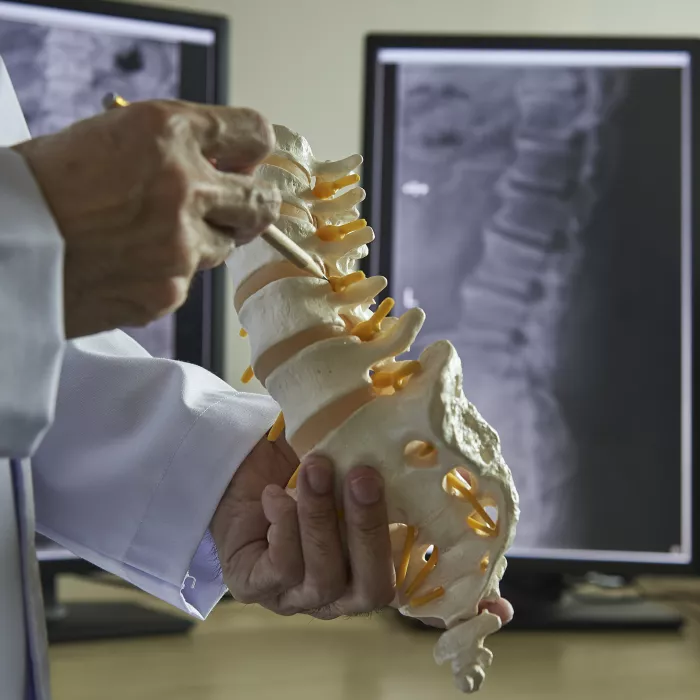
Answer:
(331, 364)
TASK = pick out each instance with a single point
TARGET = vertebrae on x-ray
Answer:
(534, 172)
(61, 75)
(333, 364)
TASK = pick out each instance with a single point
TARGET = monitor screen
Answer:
(63, 60)
(536, 203)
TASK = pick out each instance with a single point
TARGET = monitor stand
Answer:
(82, 622)
(547, 603)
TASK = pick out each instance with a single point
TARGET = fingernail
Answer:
(366, 490)
(318, 474)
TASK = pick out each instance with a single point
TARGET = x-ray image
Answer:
(61, 76)
(537, 221)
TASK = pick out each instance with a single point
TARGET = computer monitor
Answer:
(63, 58)
(536, 197)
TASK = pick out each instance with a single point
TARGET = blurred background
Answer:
(529, 174)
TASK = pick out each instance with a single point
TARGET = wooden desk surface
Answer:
(244, 652)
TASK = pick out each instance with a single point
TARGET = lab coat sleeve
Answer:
(31, 309)
(136, 461)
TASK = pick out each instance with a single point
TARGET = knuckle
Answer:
(266, 194)
(315, 535)
(319, 519)
(263, 203)
(169, 294)
(267, 200)
(140, 316)
(212, 126)
(251, 206)
(283, 610)
(246, 589)
(217, 253)
(156, 117)
(327, 592)
(152, 300)
(261, 132)
(370, 526)
(260, 195)
(317, 511)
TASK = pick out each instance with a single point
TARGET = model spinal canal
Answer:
(333, 365)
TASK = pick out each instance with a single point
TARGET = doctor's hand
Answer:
(141, 207)
(288, 556)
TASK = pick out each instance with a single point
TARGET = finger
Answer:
(284, 543)
(325, 578)
(369, 542)
(241, 206)
(499, 607)
(237, 137)
(217, 249)
(214, 245)
(270, 566)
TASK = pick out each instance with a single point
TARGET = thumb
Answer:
(288, 461)
(270, 463)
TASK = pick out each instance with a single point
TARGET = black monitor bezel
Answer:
(201, 320)
(378, 260)
(199, 323)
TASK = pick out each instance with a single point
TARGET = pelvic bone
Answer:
(331, 364)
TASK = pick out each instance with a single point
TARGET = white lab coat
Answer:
(129, 454)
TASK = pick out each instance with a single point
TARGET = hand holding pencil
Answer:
(271, 235)
(140, 208)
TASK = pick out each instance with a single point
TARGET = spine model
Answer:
(332, 364)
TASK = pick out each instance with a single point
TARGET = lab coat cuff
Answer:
(173, 541)
(31, 308)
